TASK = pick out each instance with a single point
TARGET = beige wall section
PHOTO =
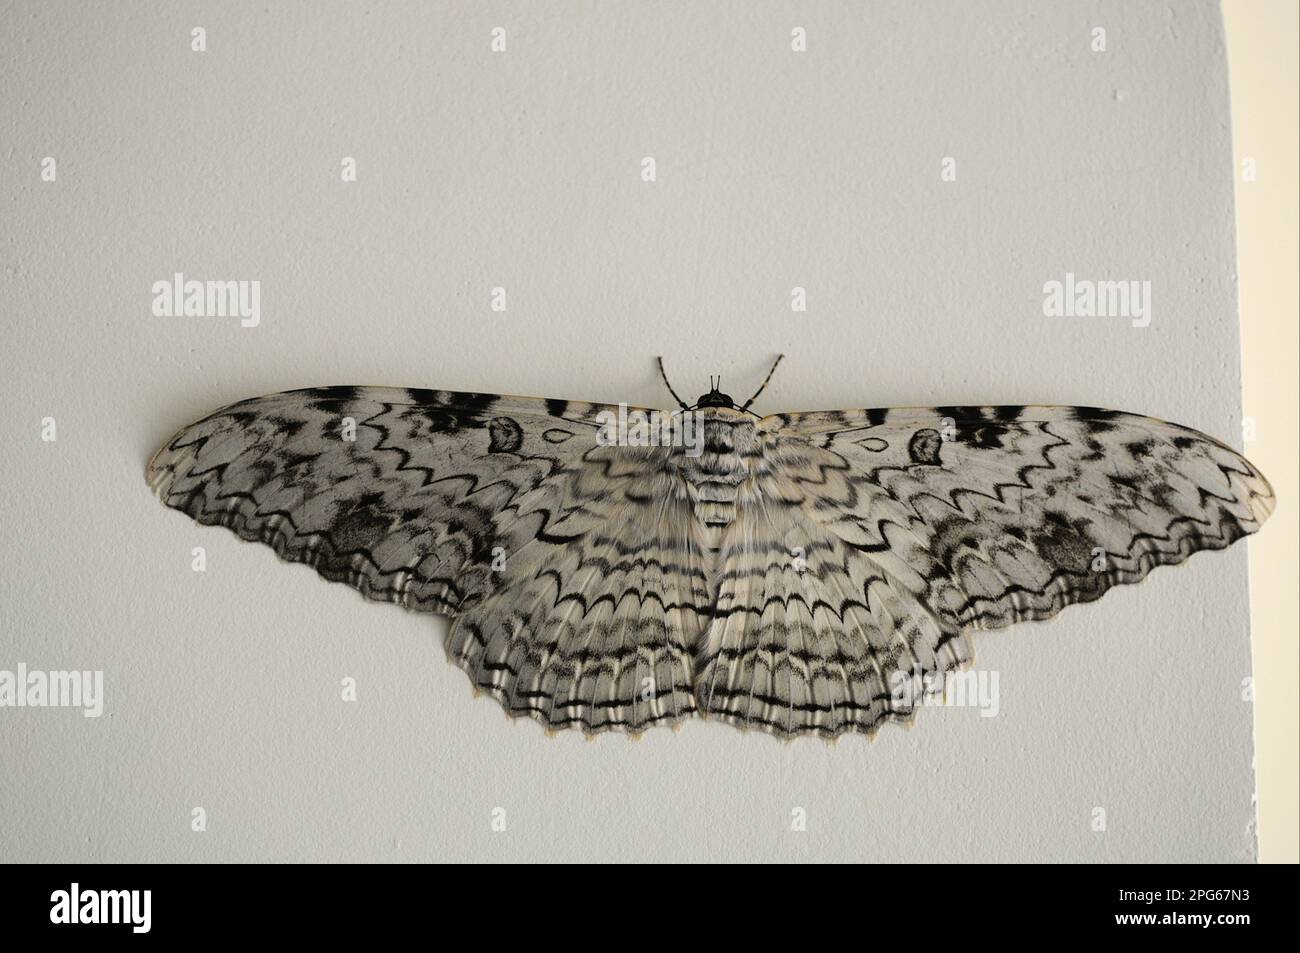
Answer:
(1262, 60)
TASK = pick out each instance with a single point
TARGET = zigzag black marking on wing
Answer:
(830, 731)
(239, 520)
(544, 533)
(429, 476)
(641, 597)
(723, 612)
(882, 547)
(996, 496)
(583, 654)
(532, 693)
(822, 570)
(816, 661)
(639, 563)
(585, 723)
(771, 701)
(1157, 557)
(842, 467)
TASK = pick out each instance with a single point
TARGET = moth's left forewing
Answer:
(402, 493)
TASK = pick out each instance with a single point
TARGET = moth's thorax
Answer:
(730, 454)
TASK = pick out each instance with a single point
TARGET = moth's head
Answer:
(715, 397)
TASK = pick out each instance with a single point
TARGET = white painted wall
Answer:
(522, 169)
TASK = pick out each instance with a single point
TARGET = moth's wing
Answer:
(399, 493)
(1013, 513)
(876, 537)
(599, 622)
(504, 512)
(812, 635)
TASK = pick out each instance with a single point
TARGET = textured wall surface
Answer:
(522, 169)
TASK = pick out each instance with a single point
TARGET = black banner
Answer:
(139, 903)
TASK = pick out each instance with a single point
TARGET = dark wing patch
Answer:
(506, 435)
(924, 447)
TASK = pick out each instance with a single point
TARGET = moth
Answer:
(791, 573)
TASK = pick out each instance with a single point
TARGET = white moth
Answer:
(783, 576)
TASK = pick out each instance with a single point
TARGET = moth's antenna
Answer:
(662, 373)
(745, 405)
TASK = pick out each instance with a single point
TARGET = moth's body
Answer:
(721, 477)
(795, 575)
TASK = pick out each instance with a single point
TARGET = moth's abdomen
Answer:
(713, 502)
(728, 457)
